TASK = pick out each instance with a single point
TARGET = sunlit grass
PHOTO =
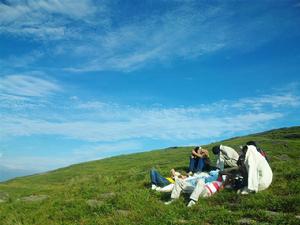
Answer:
(116, 191)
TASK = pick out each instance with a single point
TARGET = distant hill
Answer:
(8, 173)
(116, 190)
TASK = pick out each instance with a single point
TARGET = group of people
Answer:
(247, 172)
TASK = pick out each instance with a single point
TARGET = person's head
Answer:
(251, 143)
(216, 149)
(197, 148)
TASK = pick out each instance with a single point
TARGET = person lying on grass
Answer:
(204, 190)
(194, 184)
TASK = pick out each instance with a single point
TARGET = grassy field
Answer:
(116, 191)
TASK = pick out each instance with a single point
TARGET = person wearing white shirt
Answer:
(227, 156)
(260, 174)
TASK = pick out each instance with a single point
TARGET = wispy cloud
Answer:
(163, 38)
(27, 85)
(102, 122)
(269, 100)
(105, 129)
(91, 36)
(172, 126)
(46, 19)
(157, 38)
(21, 61)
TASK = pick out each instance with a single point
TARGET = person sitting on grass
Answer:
(158, 181)
(259, 173)
(199, 160)
(188, 185)
(262, 152)
(227, 156)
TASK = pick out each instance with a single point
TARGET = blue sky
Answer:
(87, 79)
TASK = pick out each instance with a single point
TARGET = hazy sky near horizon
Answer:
(87, 79)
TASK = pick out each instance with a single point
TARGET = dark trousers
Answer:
(196, 164)
(157, 179)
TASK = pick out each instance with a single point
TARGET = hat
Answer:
(251, 143)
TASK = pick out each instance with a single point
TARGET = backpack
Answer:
(263, 153)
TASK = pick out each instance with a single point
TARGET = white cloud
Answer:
(45, 19)
(92, 105)
(160, 124)
(26, 85)
(103, 121)
(91, 36)
(157, 38)
(108, 129)
(187, 31)
(269, 100)
(21, 61)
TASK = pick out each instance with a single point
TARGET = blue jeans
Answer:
(157, 179)
(196, 164)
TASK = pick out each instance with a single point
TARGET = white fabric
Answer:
(181, 185)
(200, 191)
(167, 188)
(259, 172)
(212, 186)
(187, 185)
(227, 156)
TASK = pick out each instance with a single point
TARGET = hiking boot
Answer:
(158, 189)
(191, 203)
(169, 202)
(244, 191)
(153, 187)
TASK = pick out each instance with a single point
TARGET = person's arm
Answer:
(220, 161)
(174, 173)
(195, 153)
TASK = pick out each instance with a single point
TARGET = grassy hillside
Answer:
(116, 191)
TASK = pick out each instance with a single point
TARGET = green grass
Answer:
(116, 191)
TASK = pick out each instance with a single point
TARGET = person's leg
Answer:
(167, 188)
(179, 184)
(157, 179)
(153, 176)
(200, 165)
(199, 191)
(192, 164)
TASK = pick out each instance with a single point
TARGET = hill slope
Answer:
(116, 191)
